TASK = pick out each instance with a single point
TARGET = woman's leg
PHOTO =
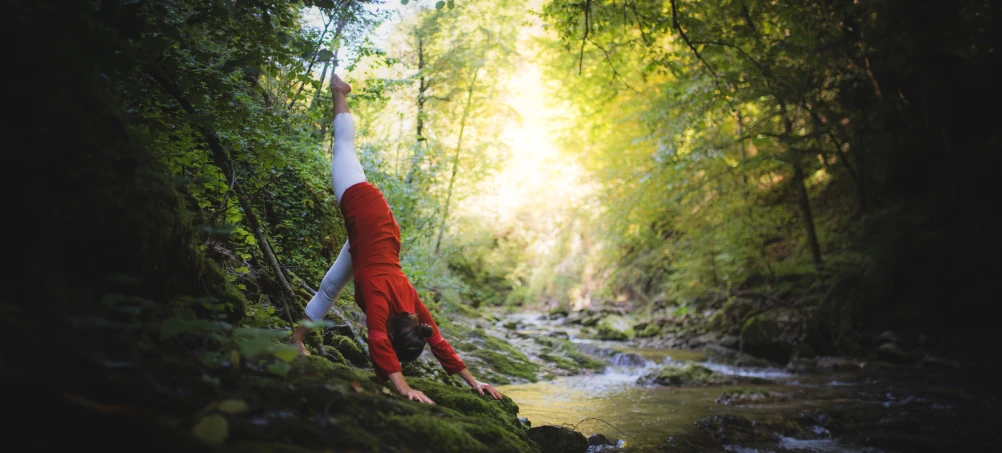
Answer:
(346, 171)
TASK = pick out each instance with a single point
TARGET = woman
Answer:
(399, 324)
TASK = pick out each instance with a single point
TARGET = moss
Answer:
(559, 312)
(560, 362)
(503, 366)
(558, 439)
(651, 330)
(511, 325)
(690, 375)
(606, 332)
(350, 350)
(585, 361)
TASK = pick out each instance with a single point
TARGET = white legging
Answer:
(346, 171)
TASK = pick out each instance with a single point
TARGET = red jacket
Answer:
(381, 288)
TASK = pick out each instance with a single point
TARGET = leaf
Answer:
(212, 429)
(452, 4)
(404, 2)
(280, 368)
(286, 352)
(232, 407)
(440, 4)
(235, 358)
(253, 347)
(325, 54)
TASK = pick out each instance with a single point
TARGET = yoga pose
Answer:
(399, 324)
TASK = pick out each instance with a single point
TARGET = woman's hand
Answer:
(416, 395)
(401, 384)
(482, 387)
(478, 386)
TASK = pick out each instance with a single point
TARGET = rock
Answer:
(649, 330)
(615, 328)
(559, 312)
(524, 421)
(730, 341)
(803, 351)
(511, 325)
(690, 376)
(557, 439)
(720, 354)
(760, 337)
(591, 321)
(350, 349)
(931, 361)
(890, 352)
(559, 334)
(625, 359)
(598, 439)
(750, 396)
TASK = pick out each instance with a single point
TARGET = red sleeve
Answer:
(384, 359)
(443, 352)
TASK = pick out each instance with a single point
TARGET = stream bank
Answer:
(837, 405)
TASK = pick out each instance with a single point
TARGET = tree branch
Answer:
(585, 37)
(709, 68)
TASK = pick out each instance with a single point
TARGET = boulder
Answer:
(649, 330)
(689, 376)
(615, 328)
(558, 439)
(761, 337)
(750, 396)
(727, 356)
(891, 352)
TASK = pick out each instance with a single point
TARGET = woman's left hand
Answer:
(480, 387)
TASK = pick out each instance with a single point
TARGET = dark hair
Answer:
(408, 336)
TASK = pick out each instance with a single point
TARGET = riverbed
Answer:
(650, 418)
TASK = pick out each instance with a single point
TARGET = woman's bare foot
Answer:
(298, 336)
(339, 85)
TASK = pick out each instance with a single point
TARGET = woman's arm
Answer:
(448, 357)
(401, 385)
(480, 387)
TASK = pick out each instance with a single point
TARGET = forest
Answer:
(653, 226)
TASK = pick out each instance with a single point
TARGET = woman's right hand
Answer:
(416, 395)
(401, 384)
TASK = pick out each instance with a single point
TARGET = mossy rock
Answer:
(692, 375)
(759, 338)
(727, 356)
(750, 396)
(350, 350)
(591, 321)
(606, 332)
(649, 331)
(558, 439)
(891, 352)
(614, 328)
(559, 312)
(511, 325)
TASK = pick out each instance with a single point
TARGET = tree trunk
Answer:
(802, 198)
(805, 206)
(221, 160)
(455, 159)
(421, 99)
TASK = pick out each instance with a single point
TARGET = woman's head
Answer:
(408, 336)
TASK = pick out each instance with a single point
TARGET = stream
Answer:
(898, 402)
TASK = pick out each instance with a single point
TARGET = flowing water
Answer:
(612, 403)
